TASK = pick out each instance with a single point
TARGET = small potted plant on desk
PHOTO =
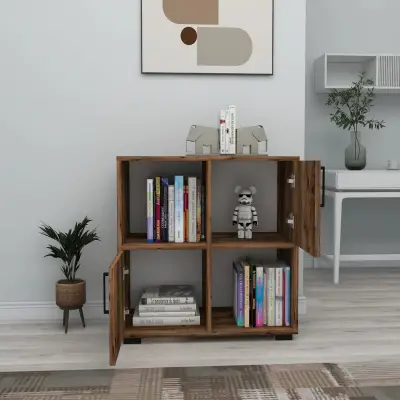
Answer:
(71, 291)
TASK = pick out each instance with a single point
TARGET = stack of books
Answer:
(167, 305)
(261, 294)
(175, 209)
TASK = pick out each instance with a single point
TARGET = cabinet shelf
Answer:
(222, 324)
(138, 241)
(268, 240)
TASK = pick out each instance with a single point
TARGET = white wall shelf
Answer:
(339, 71)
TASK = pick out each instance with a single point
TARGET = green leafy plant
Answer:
(353, 105)
(71, 244)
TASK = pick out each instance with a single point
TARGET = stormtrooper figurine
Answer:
(245, 215)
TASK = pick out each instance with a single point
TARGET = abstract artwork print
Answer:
(207, 36)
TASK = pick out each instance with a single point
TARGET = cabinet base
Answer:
(132, 341)
(284, 337)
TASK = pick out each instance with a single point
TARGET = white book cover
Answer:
(228, 131)
(265, 298)
(150, 210)
(171, 213)
(222, 132)
(168, 294)
(192, 209)
(171, 308)
(179, 217)
(278, 311)
(167, 314)
(137, 320)
(246, 310)
(232, 130)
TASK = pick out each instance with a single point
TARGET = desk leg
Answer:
(337, 227)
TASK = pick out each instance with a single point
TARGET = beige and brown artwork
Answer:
(207, 36)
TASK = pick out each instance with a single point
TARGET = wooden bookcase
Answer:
(298, 191)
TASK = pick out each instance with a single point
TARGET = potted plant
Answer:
(71, 291)
(352, 107)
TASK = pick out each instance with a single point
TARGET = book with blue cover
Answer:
(179, 217)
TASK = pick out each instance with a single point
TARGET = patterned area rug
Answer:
(358, 381)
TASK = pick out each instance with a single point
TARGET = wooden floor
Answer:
(358, 320)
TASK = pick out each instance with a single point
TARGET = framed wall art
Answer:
(207, 36)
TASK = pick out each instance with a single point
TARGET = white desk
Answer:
(344, 184)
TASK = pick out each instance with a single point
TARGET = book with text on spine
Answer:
(179, 215)
(169, 308)
(171, 213)
(192, 209)
(150, 210)
(164, 209)
(168, 294)
(137, 320)
(158, 210)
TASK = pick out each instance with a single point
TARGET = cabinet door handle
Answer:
(105, 311)
(323, 187)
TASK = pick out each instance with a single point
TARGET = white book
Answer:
(171, 213)
(179, 217)
(168, 294)
(137, 320)
(150, 210)
(192, 209)
(227, 131)
(246, 310)
(232, 130)
(279, 296)
(222, 132)
(167, 314)
(170, 308)
(271, 296)
(265, 298)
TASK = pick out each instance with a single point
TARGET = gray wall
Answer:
(357, 26)
(72, 98)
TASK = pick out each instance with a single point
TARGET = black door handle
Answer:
(105, 311)
(323, 187)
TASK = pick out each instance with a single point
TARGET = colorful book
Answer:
(150, 210)
(168, 294)
(192, 209)
(259, 295)
(198, 211)
(203, 213)
(271, 296)
(253, 284)
(158, 209)
(137, 320)
(222, 132)
(179, 215)
(164, 209)
(287, 296)
(171, 213)
(169, 308)
(279, 296)
(239, 289)
(246, 311)
(185, 213)
(265, 299)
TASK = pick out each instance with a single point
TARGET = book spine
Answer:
(278, 297)
(203, 212)
(158, 209)
(259, 295)
(222, 132)
(232, 130)
(283, 296)
(235, 295)
(198, 211)
(171, 214)
(179, 217)
(170, 308)
(246, 269)
(271, 296)
(241, 297)
(192, 209)
(150, 209)
(167, 300)
(185, 212)
(159, 321)
(253, 311)
(287, 296)
(164, 209)
(227, 131)
(265, 299)
(167, 314)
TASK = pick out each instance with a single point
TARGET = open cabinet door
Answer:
(116, 306)
(307, 203)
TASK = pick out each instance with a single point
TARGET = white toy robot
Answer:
(245, 215)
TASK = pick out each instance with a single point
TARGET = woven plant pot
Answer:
(70, 294)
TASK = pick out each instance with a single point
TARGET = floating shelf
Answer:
(339, 71)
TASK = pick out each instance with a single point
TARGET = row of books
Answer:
(167, 305)
(261, 294)
(175, 209)
(227, 131)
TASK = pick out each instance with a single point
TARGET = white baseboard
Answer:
(45, 311)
